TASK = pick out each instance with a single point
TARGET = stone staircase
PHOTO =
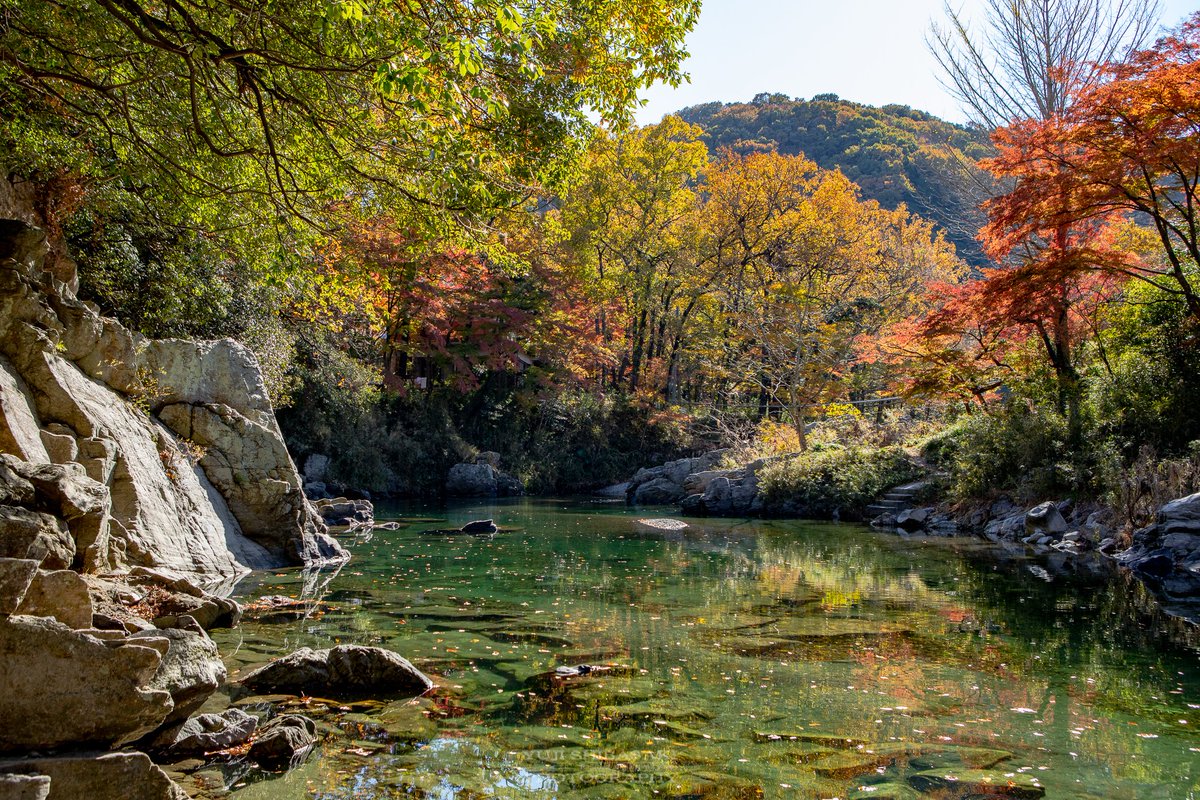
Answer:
(896, 500)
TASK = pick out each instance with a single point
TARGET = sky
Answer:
(868, 51)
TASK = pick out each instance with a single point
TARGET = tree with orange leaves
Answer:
(1128, 147)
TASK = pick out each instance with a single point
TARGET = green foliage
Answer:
(1023, 450)
(895, 154)
(572, 441)
(264, 113)
(822, 483)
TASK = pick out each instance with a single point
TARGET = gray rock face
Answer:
(190, 671)
(59, 687)
(61, 594)
(100, 776)
(16, 574)
(343, 671)
(37, 536)
(284, 742)
(75, 391)
(207, 733)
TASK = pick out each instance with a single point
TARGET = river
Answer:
(741, 659)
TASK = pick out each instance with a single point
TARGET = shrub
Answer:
(1022, 449)
(835, 482)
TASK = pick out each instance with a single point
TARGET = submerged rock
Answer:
(345, 670)
(284, 742)
(664, 524)
(207, 733)
(980, 783)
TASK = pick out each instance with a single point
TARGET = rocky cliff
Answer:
(160, 454)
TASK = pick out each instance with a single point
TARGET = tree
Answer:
(807, 271)
(1035, 54)
(268, 108)
(631, 213)
(1037, 57)
(1126, 148)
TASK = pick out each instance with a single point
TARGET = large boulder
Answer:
(1180, 516)
(100, 776)
(342, 671)
(60, 687)
(1045, 519)
(472, 480)
(659, 491)
(191, 669)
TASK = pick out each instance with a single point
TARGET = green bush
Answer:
(842, 482)
(1023, 450)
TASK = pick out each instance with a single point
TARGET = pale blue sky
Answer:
(869, 51)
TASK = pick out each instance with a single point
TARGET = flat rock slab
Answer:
(664, 524)
(100, 776)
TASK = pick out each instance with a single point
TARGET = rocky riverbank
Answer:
(137, 477)
(1165, 555)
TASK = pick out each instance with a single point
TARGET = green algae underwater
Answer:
(731, 659)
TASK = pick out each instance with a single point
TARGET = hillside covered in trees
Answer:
(896, 154)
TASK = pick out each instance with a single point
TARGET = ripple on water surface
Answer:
(732, 660)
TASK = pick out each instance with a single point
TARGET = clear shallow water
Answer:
(750, 660)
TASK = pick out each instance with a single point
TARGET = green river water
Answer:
(746, 659)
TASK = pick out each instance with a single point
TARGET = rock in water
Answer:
(207, 733)
(664, 524)
(59, 687)
(343, 671)
(284, 742)
(479, 526)
(100, 776)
